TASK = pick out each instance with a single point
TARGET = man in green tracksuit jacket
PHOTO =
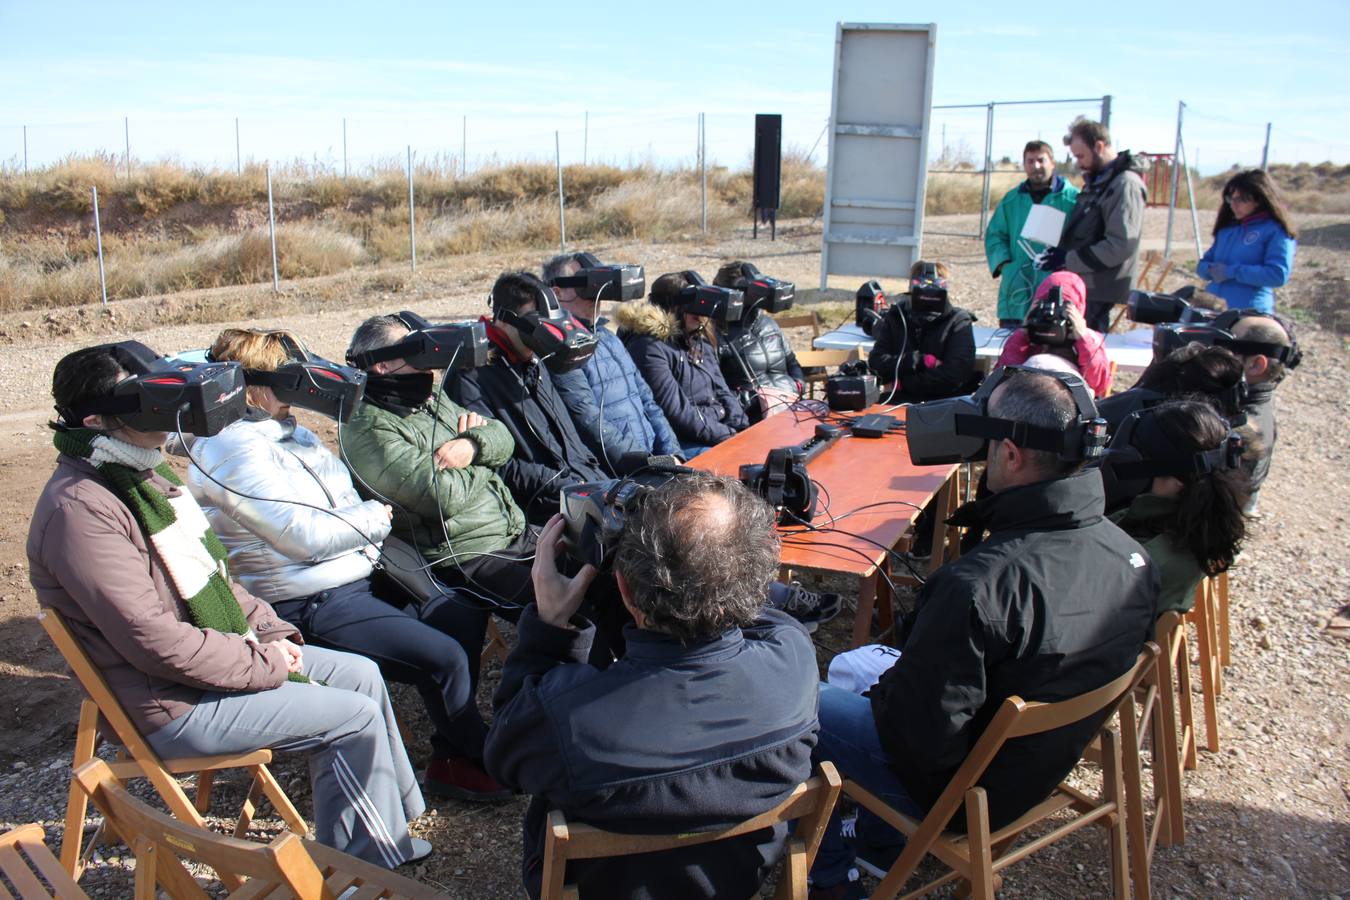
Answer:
(1007, 259)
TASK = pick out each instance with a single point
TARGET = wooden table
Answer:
(871, 490)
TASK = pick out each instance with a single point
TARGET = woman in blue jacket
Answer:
(1254, 243)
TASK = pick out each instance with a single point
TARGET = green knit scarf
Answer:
(195, 562)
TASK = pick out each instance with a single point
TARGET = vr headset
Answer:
(597, 281)
(928, 293)
(1140, 452)
(763, 292)
(165, 395)
(1048, 320)
(784, 484)
(958, 429)
(311, 382)
(1218, 331)
(717, 303)
(869, 305)
(1157, 308)
(595, 513)
(460, 345)
(550, 331)
(854, 388)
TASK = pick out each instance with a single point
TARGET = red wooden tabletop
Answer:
(867, 485)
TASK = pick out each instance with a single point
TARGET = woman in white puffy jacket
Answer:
(315, 566)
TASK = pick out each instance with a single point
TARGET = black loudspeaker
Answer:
(768, 160)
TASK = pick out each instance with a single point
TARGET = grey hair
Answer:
(376, 333)
(698, 556)
(1042, 401)
(560, 266)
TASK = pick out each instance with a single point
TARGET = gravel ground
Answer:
(1268, 816)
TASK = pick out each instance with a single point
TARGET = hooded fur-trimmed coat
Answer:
(685, 379)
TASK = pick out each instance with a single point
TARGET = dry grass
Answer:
(170, 227)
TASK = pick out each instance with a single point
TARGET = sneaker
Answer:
(810, 608)
(849, 889)
(875, 861)
(421, 849)
(457, 777)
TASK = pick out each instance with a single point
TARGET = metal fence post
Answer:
(344, 147)
(585, 136)
(988, 164)
(1106, 111)
(126, 132)
(1265, 151)
(703, 166)
(272, 231)
(238, 157)
(1176, 176)
(25, 149)
(562, 215)
(412, 214)
(1190, 193)
(98, 239)
(464, 146)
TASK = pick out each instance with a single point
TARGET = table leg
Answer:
(942, 532)
(874, 593)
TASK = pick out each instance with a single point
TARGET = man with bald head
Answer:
(1264, 374)
(708, 719)
(1056, 601)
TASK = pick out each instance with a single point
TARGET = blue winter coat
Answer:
(1258, 255)
(612, 406)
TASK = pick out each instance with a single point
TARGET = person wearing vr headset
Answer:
(440, 466)
(516, 388)
(757, 361)
(121, 550)
(300, 537)
(611, 405)
(1054, 602)
(1254, 243)
(667, 337)
(1179, 461)
(1268, 352)
(924, 346)
(708, 720)
(1055, 324)
(1192, 370)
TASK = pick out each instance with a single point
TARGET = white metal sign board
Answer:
(879, 115)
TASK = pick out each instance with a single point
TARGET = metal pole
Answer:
(344, 147)
(25, 149)
(238, 157)
(1106, 111)
(988, 162)
(464, 146)
(1190, 194)
(98, 239)
(562, 215)
(272, 231)
(126, 131)
(703, 166)
(412, 214)
(1265, 150)
(585, 136)
(1176, 176)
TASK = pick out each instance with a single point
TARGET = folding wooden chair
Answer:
(285, 867)
(810, 803)
(977, 856)
(31, 870)
(804, 319)
(1209, 654)
(138, 760)
(816, 364)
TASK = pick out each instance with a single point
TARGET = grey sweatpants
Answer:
(364, 787)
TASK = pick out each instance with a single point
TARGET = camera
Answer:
(1048, 320)
(460, 345)
(594, 513)
(869, 305)
(168, 395)
(958, 429)
(598, 281)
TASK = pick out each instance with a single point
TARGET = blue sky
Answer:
(407, 72)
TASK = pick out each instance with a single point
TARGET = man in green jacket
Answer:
(1007, 258)
(437, 463)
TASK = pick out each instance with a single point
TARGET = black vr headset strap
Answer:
(367, 358)
(584, 261)
(1032, 437)
(134, 357)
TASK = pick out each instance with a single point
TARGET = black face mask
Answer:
(409, 390)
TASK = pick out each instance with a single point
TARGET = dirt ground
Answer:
(1268, 815)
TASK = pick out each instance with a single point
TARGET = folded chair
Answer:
(287, 867)
(138, 760)
(30, 869)
(810, 804)
(977, 856)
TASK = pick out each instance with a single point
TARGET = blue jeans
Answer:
(848, 738)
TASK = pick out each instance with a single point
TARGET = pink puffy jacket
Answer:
(1090, 347)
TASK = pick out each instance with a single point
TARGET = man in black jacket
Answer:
(516, 389)
(1264, 374)
(708, 720)
(924, 347)
(1056, 601)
